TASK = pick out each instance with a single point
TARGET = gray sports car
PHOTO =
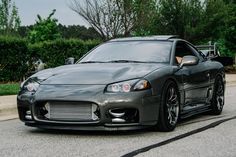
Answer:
(125, 84)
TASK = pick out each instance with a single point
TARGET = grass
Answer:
(9, 89)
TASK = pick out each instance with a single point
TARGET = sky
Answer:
(28, 10)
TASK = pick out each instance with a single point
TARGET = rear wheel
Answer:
(218, 99)
(169, 108)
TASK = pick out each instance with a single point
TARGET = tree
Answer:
(171, 19)
(44, 29)
(77, 31)
(193, 17)
(198, 21)
(215, 15)
(230, 33)
(146, 12)
(9, 18)
(180, 17)
(67, 32)
(110, 18)
(113, 18)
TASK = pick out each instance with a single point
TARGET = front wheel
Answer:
(169, 108)
(218, 99)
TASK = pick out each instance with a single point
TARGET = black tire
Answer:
(218, 99)
(169, 107)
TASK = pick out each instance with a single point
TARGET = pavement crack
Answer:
(156, 145)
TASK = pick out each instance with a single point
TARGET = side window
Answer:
(182, 49)
(195, 51)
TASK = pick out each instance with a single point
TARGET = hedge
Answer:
(16, 55)
(54, 53)
(13, 58)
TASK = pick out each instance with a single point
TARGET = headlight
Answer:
(31, 85)
(128, 86)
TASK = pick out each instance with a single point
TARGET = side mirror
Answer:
(70, 60)
(188, 61)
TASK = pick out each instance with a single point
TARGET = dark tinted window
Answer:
(198, 54)
(182, 49)
(144, 51)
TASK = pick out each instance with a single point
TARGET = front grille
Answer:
(69, 111)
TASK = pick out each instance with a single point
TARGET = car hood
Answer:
(95, 73)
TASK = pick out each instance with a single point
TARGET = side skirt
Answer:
(194, 111)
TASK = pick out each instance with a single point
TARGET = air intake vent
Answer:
(71, 111)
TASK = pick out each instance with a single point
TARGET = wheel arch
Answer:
(178, 86)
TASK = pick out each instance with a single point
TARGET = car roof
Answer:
(158, 38)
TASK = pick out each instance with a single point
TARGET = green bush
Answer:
(16, 55)
(54, 53)
(224, 50)
(13, 58)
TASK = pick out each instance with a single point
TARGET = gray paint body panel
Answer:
(87, 82)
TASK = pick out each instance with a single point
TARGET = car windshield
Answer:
(130, 51)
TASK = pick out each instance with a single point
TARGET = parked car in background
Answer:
(125, 84)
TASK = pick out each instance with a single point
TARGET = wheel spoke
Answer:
(172, 106)
(220, 102)
(173, 114)
(220, 95)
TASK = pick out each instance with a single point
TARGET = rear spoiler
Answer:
(212, 52)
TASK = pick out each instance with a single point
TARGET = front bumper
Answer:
(144, 102)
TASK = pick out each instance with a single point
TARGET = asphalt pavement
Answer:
(199, 136)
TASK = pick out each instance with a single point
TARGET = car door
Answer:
(196, 78)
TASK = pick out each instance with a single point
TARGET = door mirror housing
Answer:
(70, 60)
(189, 61)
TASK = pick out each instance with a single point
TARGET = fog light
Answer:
(117, 113)
(28, 115)
(124, 115)
(118, 120)
(28, 112)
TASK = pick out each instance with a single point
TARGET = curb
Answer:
(8, 107)
(8, 113)
(8, 110)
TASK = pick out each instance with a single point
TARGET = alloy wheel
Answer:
(172, 104)
(220, 95)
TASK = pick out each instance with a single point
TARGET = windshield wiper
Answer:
(117, 61)
(91, 62)
(130, 61)
(125, 61)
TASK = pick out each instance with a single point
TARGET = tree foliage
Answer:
(113, 18)
(230, 32)
(77, 31)
(195, 20)
(110, 18)
(44, 29)
(9, 18)
(67, 32)
(145, 12)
